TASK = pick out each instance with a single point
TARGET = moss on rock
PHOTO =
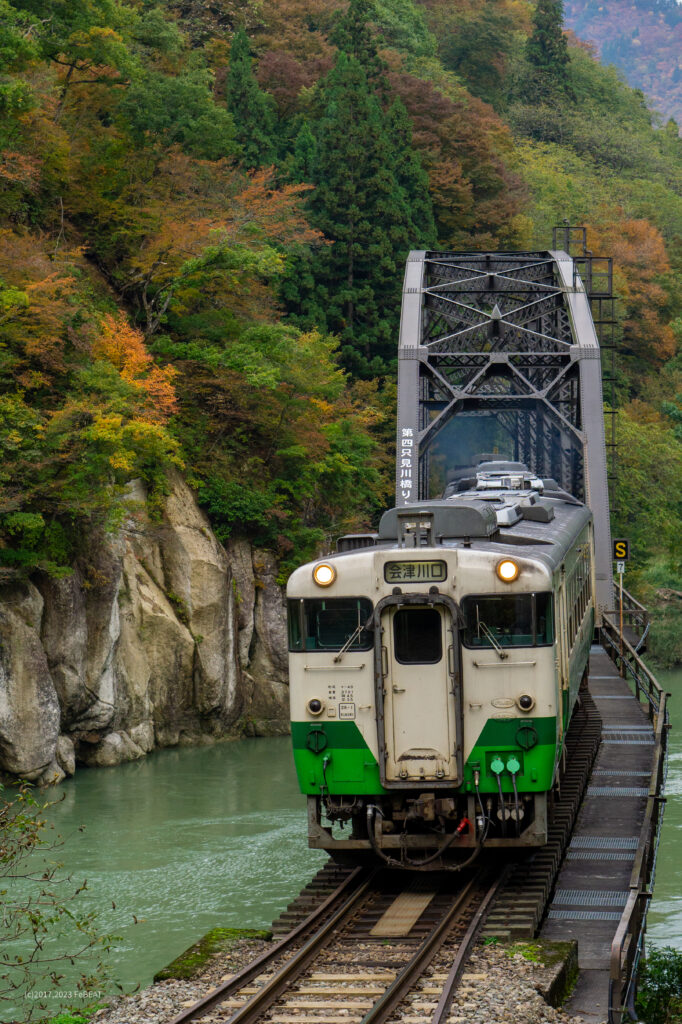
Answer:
(557, 968)
(219, 940)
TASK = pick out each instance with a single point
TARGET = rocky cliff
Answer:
(159, 637)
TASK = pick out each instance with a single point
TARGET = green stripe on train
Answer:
(352, 770)
(532, 741)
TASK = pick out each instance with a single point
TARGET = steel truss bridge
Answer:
(502, 348)
(502, 353)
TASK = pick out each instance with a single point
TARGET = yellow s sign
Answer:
(621, 550)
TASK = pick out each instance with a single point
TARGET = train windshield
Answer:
(518, 620)
(329, 624)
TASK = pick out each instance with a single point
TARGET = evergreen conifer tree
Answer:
(303, 156)
(251, 108)
(354, 36)
(412, 178)
(547, 52)
(352, 287)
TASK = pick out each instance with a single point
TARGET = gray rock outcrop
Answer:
(159, 636)
(29, 707)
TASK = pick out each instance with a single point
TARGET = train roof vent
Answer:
(417, 525)
(508, 515)
(539, 512)
(355, 541)
(502, 466)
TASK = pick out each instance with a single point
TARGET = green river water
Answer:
(196, 838)
(665, 914)
(185, 840)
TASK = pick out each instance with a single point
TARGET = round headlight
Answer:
(526, 702)
(315, 706)
(324, 574)
(507, 570)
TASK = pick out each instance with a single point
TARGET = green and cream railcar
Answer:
(434, 668)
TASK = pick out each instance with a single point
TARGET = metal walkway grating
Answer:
(626, 727)
(629, 739)
(605, 842)
(584, 915)
(600, 855)
(590, 898)
(618, 791)
(621, 771)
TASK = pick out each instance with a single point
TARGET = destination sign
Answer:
(415, 572)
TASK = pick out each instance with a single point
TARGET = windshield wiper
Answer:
(349, 642)
(360, 628)
(487, 633)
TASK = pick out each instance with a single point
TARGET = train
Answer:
(435, 665)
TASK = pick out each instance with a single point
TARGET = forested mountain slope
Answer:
(641, 37)
(205, 210)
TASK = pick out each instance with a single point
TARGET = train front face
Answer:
(423, 698)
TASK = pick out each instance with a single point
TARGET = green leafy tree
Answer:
(479, 50)
(251, 108)
(85, 38)
(178, 110)
(403, 25)
(17, 50)
(45, 928)
(659, 996)
(547, 52)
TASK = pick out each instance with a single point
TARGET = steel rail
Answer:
(262, 1000)
(255, 967)
(442, 1010)
(413, 970)
(396, 992)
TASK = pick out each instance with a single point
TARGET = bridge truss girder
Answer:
(510, 337)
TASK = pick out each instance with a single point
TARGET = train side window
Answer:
(418, 636)
(544, 619)
(294, 623)
(328, 624)
(519, 620)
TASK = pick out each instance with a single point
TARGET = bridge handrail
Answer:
(626, 947)
(632, 665)
(634, 613)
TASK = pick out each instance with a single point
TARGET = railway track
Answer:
(368, 945)
(382, 940)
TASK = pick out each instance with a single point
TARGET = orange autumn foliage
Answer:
(123, 346)
(35, 325)
(641, 261)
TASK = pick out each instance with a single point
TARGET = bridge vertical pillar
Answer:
(408, 466)
(592, 428)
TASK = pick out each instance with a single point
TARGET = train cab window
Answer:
(518, 620)
(328, 624)
(418, 636)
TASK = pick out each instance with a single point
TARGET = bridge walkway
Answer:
(596, 880)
